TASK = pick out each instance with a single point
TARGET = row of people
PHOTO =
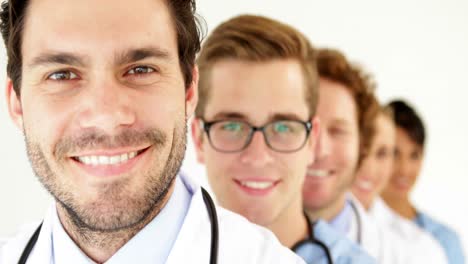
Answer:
(282, 127)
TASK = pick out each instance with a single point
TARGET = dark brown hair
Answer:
(333, 65)
(187, 24)
(256, 39)
(406, 118)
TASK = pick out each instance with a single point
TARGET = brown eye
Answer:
(62, 76)
(140, 70)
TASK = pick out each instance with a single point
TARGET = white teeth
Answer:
(106, 160)
(318, 173)
(94, 160)
(366, 185)
(123, 157)
(257, 185)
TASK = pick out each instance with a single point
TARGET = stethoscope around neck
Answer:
(210, 207)
(312, 240)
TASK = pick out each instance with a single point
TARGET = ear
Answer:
(191, 94)
(197, 138)
(14, 104)
(314, 137)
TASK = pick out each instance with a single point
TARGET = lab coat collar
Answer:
(193, 244)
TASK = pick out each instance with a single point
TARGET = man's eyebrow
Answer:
(287, 116)
(273, 117)
(64, 58)
(229, 115)
(138, 54)
(342, 122)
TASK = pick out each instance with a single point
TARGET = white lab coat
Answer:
(382, 243)
(425, 248)
(239, 240)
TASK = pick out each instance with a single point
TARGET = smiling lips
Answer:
(319, 174)
(109, 165)
(106, 160)
(257, 187)
(97, 160)
(365, 185)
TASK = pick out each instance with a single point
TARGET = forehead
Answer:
(385, 130)
(96, 27)
(257, 89)
(404, 142)
(336, 103)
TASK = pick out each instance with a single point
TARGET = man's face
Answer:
(103, 106)
(257, 182)
(338, 148)
(375, 169)
(406, 167)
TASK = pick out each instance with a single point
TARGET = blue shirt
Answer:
(342, 222)
(151, 245)
(447, 238)
(342, 249)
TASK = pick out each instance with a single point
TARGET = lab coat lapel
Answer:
(42, 251)
(193, 244)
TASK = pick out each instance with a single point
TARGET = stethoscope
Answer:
(311, 239)
(210, 207)
(358, 224)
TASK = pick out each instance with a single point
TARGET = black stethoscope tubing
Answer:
(313, 240)
(358, 223)
(210, 206)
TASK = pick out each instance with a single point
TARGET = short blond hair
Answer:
(256, 39)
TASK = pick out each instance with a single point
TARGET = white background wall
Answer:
(417, 50)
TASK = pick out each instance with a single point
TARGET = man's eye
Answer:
(141, 70)
(232, 126)
(281, 127)
(62, 76)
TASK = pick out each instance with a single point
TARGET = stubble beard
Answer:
(118, 208)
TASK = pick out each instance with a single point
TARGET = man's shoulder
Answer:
(439, 229)
(345, 250)
(12, 247)
(250, 241)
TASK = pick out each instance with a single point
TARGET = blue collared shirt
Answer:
(342, 249)
(151, 245)
(342, 222)
(447, 238)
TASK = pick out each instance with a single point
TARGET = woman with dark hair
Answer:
(409, 150)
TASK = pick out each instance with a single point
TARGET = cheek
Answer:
(159, 109)
(346, 155)
(414, 170)
(45, 124)
(219, 165)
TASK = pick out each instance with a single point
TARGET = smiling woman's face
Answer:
(375, 170)
(406, 167)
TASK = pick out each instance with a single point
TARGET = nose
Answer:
(107, 106)
(323, 147)
(257, 153)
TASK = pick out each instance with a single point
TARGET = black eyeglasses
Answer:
(235, 136)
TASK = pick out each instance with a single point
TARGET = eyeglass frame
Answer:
(207, 125)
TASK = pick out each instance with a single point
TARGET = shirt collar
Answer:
(342, 222)
(151, 245)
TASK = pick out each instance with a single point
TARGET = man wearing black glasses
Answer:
(256, 132)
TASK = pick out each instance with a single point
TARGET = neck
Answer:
(101, 245)
(328, 212)
(290, 226)
(402, 206)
